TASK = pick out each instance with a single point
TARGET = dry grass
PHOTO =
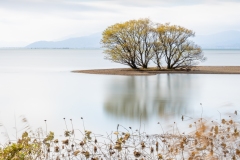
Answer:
(209, 140)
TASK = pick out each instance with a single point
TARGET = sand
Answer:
(154, 71)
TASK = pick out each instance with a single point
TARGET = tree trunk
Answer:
(169, 65)
(133, 65)
(158, 63)
(145, 66)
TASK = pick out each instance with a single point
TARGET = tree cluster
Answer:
(137, 42)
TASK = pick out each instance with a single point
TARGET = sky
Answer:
(25, 21)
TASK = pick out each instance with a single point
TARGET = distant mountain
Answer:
(92, 41)
(222, 40)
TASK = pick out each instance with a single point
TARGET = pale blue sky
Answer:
(26, 21)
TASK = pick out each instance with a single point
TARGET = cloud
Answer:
(52, 6)
(169, 3)
(46, 20)
(33, 20)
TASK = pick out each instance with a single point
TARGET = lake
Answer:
(39, 85)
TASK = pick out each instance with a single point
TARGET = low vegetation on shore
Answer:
(208, 140)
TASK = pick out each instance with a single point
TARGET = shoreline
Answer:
(155, 71)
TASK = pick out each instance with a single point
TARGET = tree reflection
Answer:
(164, 96)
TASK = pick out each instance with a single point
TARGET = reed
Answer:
(208, 140)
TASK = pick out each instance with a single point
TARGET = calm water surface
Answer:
(38, 84)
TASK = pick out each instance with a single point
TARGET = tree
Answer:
(158, 51)
(137, 42)
(178, 51)
(130, 43)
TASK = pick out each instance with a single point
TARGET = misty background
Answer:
(79, 24)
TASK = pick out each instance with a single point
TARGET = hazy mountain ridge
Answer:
(222, 40)
(92, 41)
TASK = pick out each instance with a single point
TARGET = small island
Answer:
(136, 43)
(154, 71)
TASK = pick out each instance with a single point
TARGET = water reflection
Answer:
(165, 96)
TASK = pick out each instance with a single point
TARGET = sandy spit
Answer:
(154, 71)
